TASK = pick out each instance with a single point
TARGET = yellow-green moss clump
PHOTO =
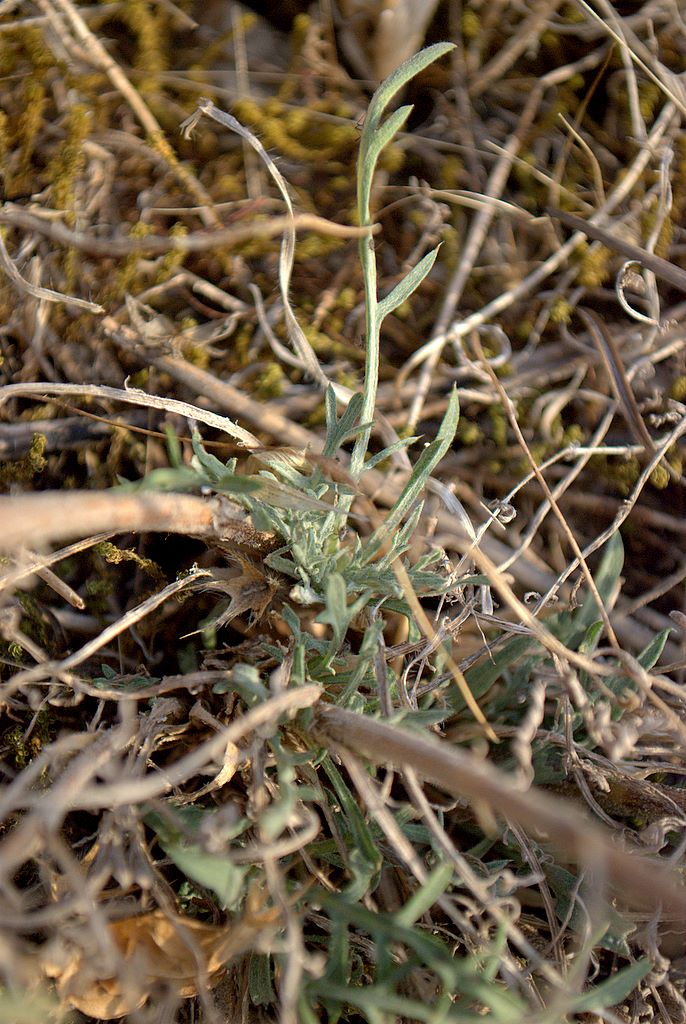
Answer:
(594, 265)
(660, 478)
(21, 471)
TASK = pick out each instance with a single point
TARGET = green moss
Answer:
(649, 96)
(270, 383)
(560, 311)
(392, 159)
(573, 434)
(498, 419)
(173, 260)
(468, 432)
(22, 748)
(470, 25)
(33, 104)
(149, 26)
(660, 478)
(129, 270)
(21, 471)
(117, 556)
(70, 160)
(594, 265)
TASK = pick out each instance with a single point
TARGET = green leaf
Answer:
(246, 680)
(339, 431)
(423, 468)
(365, 856)
(338, 613)
(606, 579)
(260, 980)
(403, 442)
(398, 78)
(182, 479)
(483, 676)
(593, 635)
(565, 886)
(408, 285)
(425, 897)
(650, 655)
(612, 991)
(214, 872)
(174, 452)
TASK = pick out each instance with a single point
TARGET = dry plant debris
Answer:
(342, 434)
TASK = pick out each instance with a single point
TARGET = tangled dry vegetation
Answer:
(342, 581)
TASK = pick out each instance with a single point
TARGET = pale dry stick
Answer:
(128, 619)
(97, 11)
(476, 885)
(637, 121)
(251, 163)
(549, 266)
(35, 519)
(376, 806)
(511, 414)
(477, 234)
(668, 82)
(190, 683)
(373, 483)
(592, 159)
(99, 57)
(559, 490)
(226, 396)
(663, 269)
(642, 881)
(132, 396)
(624, 509)
(404, 850)
(44, 294)
(563, 485)
(619, 383)
(473, 243)
(648, 596)
(645, 682)
(296, 335)
(530, 857)
(154, 245)
(128, 791)
(529, 29)
(552, 644)
(60, 587)
(62, 749)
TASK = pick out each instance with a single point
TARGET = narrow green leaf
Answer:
(590, 640)
(384, 133)
(402, 74)
(606, 578)
(213, 871)
(408, 285)
(425, 897)
(481, 677)
(336, 612)
(650, 655)
(260, 980)
(173, 447)
(208, 463)
(338, 431)
(365, 857)
(612, 991)
(425, 465)
(404, 442)
(370, 147)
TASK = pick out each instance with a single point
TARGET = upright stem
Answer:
(371, 366)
